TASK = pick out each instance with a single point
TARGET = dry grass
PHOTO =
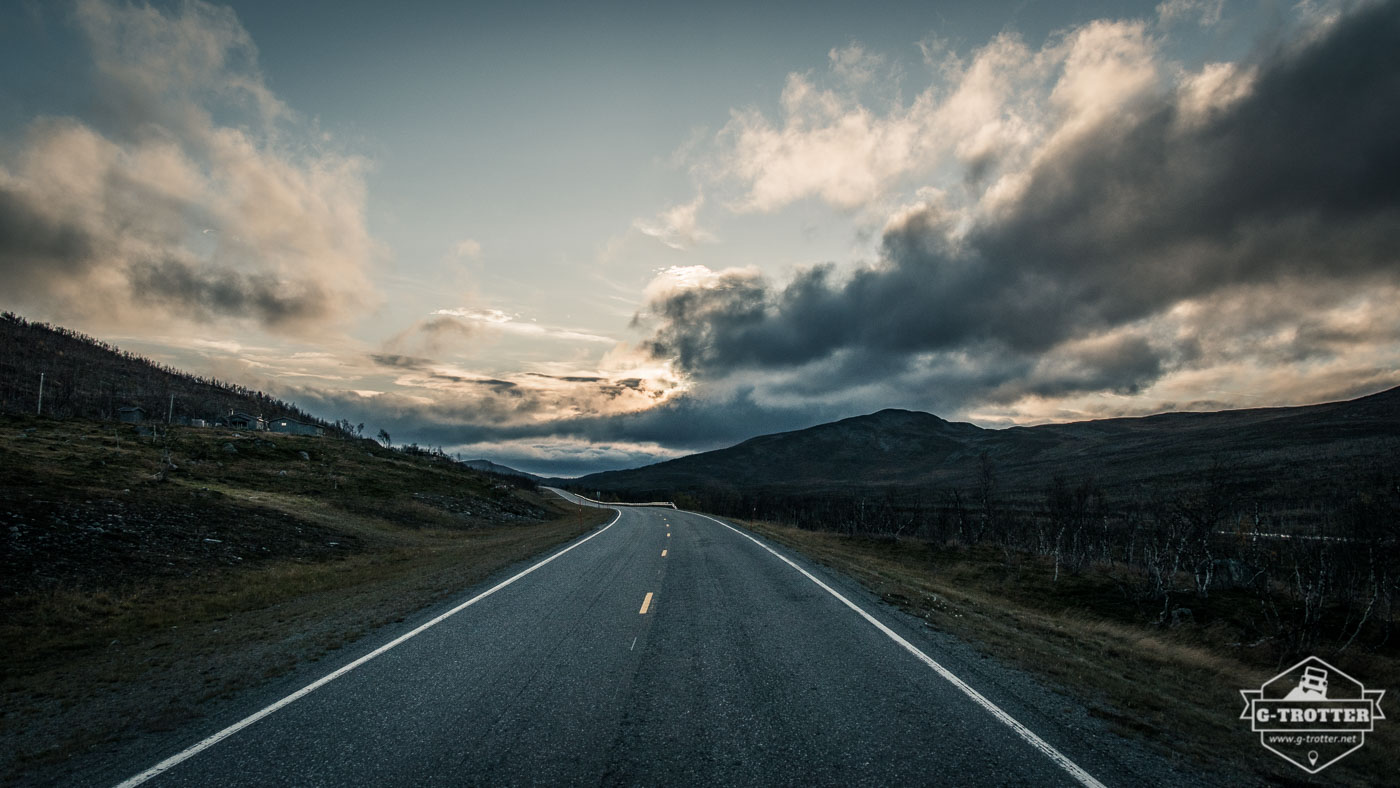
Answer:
(221, 573)
(88, 668)
(1177, 689)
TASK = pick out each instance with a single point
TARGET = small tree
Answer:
(384, 437)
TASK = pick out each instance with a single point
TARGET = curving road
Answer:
(664, 649)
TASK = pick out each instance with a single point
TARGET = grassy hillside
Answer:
(84, 377)
(147, 574)
(163, 504)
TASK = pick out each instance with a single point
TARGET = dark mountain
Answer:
(84, 377)
(1263, 448)
(501, 470)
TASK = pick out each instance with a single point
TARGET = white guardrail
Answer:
(669, 504)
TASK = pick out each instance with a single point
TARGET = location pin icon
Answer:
(1312, 757)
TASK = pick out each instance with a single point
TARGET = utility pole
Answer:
(170, 414)
(40, 411)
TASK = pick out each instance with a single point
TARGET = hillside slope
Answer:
(147, 573)
(84, 377)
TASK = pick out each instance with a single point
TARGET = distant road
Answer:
(664, 649)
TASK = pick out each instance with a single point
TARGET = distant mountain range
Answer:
(1265, 451)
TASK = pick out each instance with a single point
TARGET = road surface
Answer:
(664, 649)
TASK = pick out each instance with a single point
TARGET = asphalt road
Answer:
(668, 649)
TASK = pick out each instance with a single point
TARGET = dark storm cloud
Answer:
(1122, 365)
(1291, 186)
(186, 179)
(703, 327)
(425, 365)
(200, 293)
(498, 386)
(1296, 180)
(32, 244)
(439, 327)
(399, 361)
(566, 378)
(37, 251)
(686, 422)
(430, 336)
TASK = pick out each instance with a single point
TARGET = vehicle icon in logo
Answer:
(1312, 714)
(1313, 685)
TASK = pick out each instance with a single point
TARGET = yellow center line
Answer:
(663, 553)
(646, 603)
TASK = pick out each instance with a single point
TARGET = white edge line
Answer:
(996, 711)
(324, 680)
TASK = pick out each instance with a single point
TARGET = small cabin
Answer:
(132, 414)
(292, 426)
(246, 421)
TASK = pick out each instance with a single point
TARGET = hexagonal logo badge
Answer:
(1312, 715)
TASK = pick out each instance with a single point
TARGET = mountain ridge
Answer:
(902, 449)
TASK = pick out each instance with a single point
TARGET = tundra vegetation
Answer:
(1156, 604)
(54, 371)
(152, 573)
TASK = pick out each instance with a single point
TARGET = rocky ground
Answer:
(96, 543)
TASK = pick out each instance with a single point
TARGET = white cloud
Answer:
(826, 147)
(989, 116)
(855, 66)
(176, 215)
(466, 249)
(693, 277)
(1206, 13)
(1255, 351)
(508, 323)
(985, 112)
(1213, 88)
(425, 391)
(1107, 67)
(678, 226)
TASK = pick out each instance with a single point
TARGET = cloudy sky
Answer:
(571, 237)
